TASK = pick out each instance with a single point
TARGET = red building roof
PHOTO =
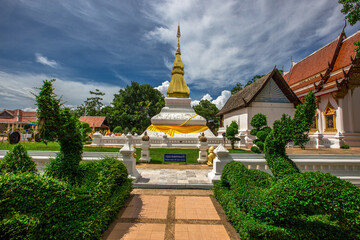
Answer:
(95, 121)
(324, 69)
(17, 116)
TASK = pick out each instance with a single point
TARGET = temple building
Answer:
(269, 95)
(178, 118)
(333, 74)
(11, 120)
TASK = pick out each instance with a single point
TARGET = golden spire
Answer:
(178, 87)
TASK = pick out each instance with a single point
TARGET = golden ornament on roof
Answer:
(178, 87)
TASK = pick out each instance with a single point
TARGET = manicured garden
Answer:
(72, 199)
(288, 204)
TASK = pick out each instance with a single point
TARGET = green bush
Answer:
(41, 207)
(118, 129)
(231, 131)
(260, 130)
(344, 146)
(301, 206)
(18, 160)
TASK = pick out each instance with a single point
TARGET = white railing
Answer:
(346, 167)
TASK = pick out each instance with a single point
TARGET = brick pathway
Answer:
(171, 215)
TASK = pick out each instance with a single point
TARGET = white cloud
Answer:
(219, 101)
(207, 97)
(43, 60)
(222, 99)
(194, 102)
(16, 89)
(163, 88)
(223, 43)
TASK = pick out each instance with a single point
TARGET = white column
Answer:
(145, 153)
(320, 121)
(202, 146)
(128, 159)
(222, 158)
(350, 112)
(340, 117)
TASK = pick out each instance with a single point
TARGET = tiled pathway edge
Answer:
(180, 217)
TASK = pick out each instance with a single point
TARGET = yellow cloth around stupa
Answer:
(179, 129)
(177, 87)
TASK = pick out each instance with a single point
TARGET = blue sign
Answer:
(175, 158)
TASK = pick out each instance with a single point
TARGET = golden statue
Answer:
(211, 156)
(177, 87)
(134, 153)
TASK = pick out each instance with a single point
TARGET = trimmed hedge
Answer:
(41, 207)
(309, 205)
(17, 160)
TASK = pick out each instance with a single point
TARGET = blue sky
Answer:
(107, 44)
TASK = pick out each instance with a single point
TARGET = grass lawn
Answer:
(156, 154)
(53, 146)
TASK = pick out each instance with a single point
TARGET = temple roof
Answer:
(95, 121)
(17, 116)
(245, 96)
(323, 70)
(177, 87)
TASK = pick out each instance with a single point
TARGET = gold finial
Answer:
(178, 33)
(178, 87)
(178, 43)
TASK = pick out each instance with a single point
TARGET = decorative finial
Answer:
(178, 44)
(178, 32)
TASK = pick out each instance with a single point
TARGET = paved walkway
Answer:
(171, 214)
(173, 178)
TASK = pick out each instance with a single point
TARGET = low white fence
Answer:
(346, 167)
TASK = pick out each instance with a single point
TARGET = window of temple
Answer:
(314, 126)
(330, 119)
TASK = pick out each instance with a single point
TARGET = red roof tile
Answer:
(307, 71)
(347, 49)
(95, 121)
(313, 64)
(18, 116)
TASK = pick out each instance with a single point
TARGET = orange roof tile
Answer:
(347, 49)
(95, 121)
(313, 64)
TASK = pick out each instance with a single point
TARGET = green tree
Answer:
(85, 130)
(208, 110)
(237, 88)
(134, 106)
(288, 130)
(256, 77)
(260, 130)
(92, 106)
(351, 8)
(59, 124)
(17, 160)
(231, 131)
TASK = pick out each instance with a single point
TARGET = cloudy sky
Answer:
(107, 44)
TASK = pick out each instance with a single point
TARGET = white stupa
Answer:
(178, 118)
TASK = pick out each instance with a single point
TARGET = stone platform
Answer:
(173, 178)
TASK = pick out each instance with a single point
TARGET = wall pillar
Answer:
(128, 159)
(222, 158)
(340, 117)
(350, 112)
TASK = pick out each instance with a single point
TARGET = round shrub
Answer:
(18, 160)
(312, 193)
(258, 120)
(118, 129)
(253, 131)
(262, 135)
(255, 149)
